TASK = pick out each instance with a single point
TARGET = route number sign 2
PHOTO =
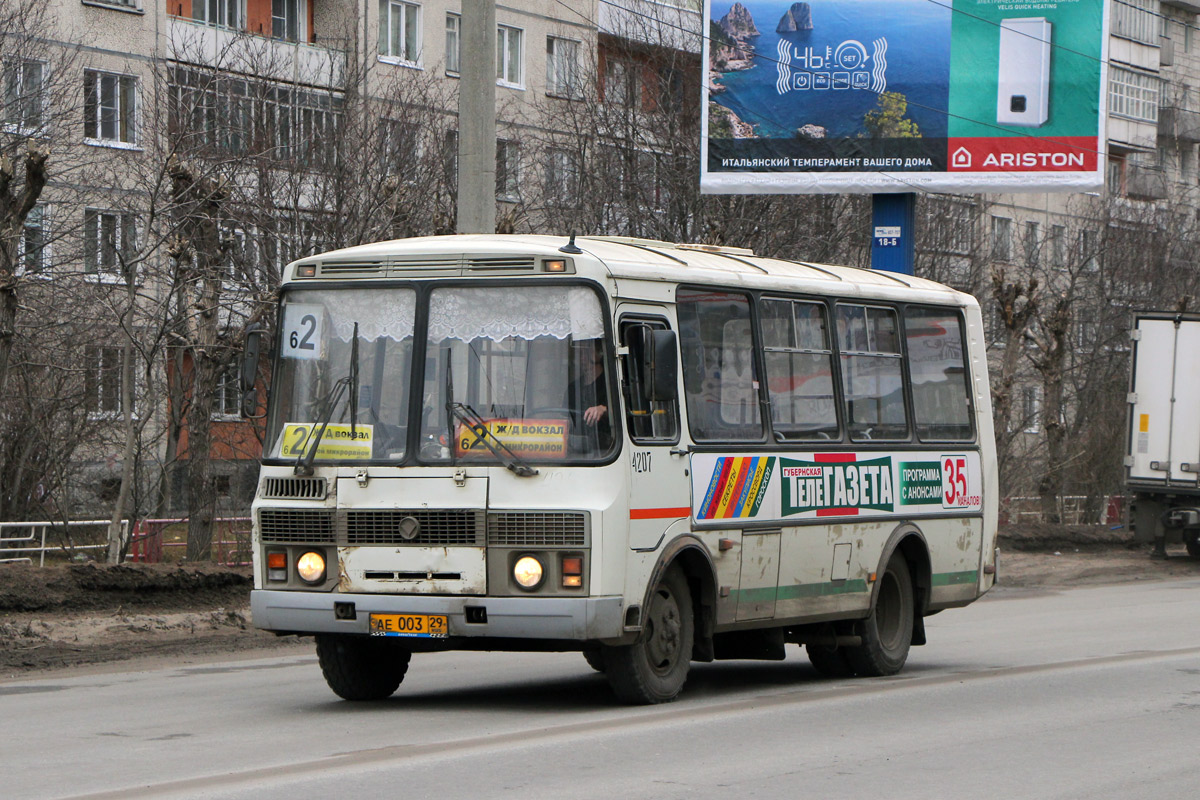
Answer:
(302, 334)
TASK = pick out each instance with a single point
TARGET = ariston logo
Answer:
(1030, 159)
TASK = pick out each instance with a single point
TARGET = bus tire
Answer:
(654, 669)
(361, 668)
(887, 633)
(831, 662)
(594, 656)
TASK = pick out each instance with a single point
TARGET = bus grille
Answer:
(288, 526)
(443, 527)
(537, 529)
(294, 488)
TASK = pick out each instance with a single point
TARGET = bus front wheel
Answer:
(887, 633)
(361, 668)
(653, 670)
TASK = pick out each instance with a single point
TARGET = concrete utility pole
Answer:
(477, 119)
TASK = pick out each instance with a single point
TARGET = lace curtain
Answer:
(379, 313)
(524, 312)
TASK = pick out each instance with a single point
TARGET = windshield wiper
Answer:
(476, 424)
(308, 452)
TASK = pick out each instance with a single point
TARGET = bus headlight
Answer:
(311, 567)
(528, 572)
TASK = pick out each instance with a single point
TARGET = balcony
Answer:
(674, 24)
(1179, 123)
(236, 51)
(1145, 183)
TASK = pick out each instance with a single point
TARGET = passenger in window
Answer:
(587, 400)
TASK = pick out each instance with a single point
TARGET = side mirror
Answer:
(248, 376)
(660, 364)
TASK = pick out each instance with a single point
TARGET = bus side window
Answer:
(940, 384)
(872, 374)
(718, 366)
(799, 365)
(649, 421)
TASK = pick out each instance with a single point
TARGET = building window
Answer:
(23, 94)
(32, 256)
(1030, 244)
(221, 13)
(401, 146)
(509, 57)
(285, 19)
(1133, 94)
(1137, 20)
(1031, 409)
(1001, 238)
(1089, 252)
(109, 104)
(227, 400)
(109, 242)
(102, 380)
(453, 42)
(400, 31)
(562, 178)
(508, 163)
(562, 71)
(1058, 245)
(619, 81)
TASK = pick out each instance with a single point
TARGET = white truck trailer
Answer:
(1162, 461)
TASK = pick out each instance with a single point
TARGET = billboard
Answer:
(903, 95)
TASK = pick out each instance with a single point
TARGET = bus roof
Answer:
(620, 257)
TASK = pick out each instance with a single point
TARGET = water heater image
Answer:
(1024, 90)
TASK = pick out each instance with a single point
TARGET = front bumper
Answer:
(570, 618)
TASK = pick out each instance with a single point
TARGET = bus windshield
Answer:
(510, 373)
(523, 365)
(360, 391)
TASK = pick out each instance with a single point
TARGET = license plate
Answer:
(430, 626)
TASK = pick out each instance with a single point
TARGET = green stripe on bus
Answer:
(955, 578)
(798, 591)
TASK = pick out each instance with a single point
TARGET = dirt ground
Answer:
(84, 614)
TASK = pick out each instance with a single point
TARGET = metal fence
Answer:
(230, 542)
(1072, 510)
(30, 538)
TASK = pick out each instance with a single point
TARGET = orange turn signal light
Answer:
(572, 571)
(306, 271)
(277, 560)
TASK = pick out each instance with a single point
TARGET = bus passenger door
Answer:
(760, 574)
(659, 488)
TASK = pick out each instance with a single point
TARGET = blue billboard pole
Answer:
(893, 232)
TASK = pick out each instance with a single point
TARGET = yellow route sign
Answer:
(337, 443)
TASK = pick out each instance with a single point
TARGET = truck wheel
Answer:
(887, 633)
(831, 662)
(361, 668)
(653, 670)
(1192, 540)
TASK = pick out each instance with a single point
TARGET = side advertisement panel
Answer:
(837, 486)
(897, 95)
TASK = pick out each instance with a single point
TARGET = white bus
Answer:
(647, 452)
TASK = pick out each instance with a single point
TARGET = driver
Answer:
(587, 399)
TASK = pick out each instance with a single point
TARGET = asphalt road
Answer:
(1087, 693)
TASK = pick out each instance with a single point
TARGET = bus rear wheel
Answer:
(887, 633)
(361, 668)
(654, 669)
